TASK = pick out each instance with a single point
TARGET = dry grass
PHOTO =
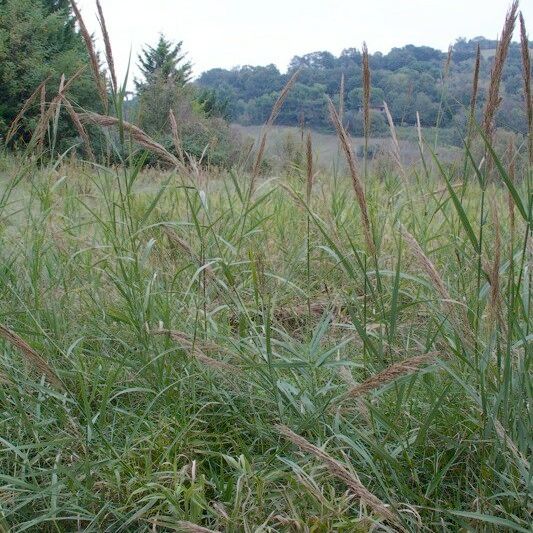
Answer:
(138, 135)
(93, 58)
(396, 153)
(32, 357)
(390, 374)
(356, 180)
(82, 132)
(44, 120)
(526, 74)
(271, 119)
(108, 49)
(27, 104)
(493, 97)
(339, 471)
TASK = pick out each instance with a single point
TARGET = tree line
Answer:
(409, 79)
(41, 45)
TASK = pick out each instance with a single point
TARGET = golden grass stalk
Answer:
(339, 471)
(526, 73)
(366, 93)
(138, 135)
(493, 97)
(27, 104)
(93, 58)
(356, 181)
(40, 130)
(107, 44)
(268, 125)
(176, 136)
(396, 153)
(390, 374)
(310, 169)
(198, 349)
(82, 132)
(31, 356)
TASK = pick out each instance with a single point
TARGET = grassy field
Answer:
(328, 157)
(181, 352)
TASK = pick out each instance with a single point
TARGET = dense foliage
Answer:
(39, 40)
(163, 89)
(409, 79)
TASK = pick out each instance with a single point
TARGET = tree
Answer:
(38, 39)
(163, 63)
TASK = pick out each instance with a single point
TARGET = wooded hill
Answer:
(409, 79)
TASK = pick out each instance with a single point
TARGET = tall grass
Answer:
(173, 350)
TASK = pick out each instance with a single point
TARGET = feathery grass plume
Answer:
(390, 374)
(31, 356)
(339, 471)
(176, 136)
(493, 97)
(356, 181)
(198, 349)
(27, 104)
(138, 135)
(395, 144)
(107, 44)
(310, 170)
(100, 82)
(82, 132)
(366, 91)
(458, 317)
(271, 119)
(526, 73)
(341, 99)
(40, 130)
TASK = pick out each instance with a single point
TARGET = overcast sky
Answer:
(227, 33)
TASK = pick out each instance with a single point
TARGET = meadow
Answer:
(342, 348)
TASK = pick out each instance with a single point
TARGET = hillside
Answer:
(409, 79)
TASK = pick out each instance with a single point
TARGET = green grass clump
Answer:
(187, 319)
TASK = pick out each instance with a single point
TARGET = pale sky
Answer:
(227, 33)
